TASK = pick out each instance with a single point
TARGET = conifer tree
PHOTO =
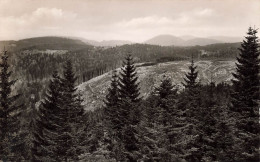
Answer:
(166, 88)
(111, 113)
(191, 105)
(128, 86)
(28, 128)
(112, 97)
(47, 124)
(71, 113)
(60, 119)
(70, 97)
(128, 111)
(224, 137)
(112, 101)
(172, 124)
(9, 114)
(190, 80)
(246, 79)
(166, 93)
(129, 93)
(245, 96)
(191, 96)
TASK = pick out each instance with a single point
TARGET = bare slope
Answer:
(95, 89)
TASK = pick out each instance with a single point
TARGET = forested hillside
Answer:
(34, 59)
(183, 104)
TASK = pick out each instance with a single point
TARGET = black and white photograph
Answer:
(129, 81)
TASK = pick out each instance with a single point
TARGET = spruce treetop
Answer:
(191, 76)
(246, 78)
(128, 86)
(166, 88)
(113, 95)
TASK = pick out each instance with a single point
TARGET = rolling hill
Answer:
(201, 42)
(113, 43)
(166, 40)
(94, 90)
(187, 40)
(227, 39)
(104, 43)
(43, 43)
(76, 43)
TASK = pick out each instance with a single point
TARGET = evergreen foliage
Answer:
(71, 114)
(111, 114)
(214, 122)
(112, 103)
(191, 76)
(59, 121)
(9, 115)
(128, 86)
(47, 124)
(122, 112)
(245, 97)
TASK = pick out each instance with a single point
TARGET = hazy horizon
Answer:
(134, 21)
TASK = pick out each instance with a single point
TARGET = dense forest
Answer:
(203, 122)
(33, 64)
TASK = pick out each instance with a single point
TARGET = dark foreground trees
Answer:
(245, 98)
(122, 112)
(59, 120)
(196, 124)
(9, 115)
(216, 122)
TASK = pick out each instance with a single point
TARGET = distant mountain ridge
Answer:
(48, 42)
(165, 40)
(105, 43)
(187, 40)
(61, 43)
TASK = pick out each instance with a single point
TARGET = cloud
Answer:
(142, 21)
(48, 12)
(38, 20)
(204, 12)
(52, 13)
(129, 20)
(184, 18)
(154, 21)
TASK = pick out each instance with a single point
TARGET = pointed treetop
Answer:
(190, 80)
(128, 85)
(166, 88)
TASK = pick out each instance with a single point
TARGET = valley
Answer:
(34, 59)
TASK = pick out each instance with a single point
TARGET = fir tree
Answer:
(165, 92)
(172, 124)
(128, 86)
(129, 99)
(128, 111)
(28, 128)
(112, 102)
(246, 79)
(9, 114)
(245, 96)
(71, 115)
(190, 103)
(224, 138)
(112, 97)
(47, 124)
(166, 88)
(190, 80)
(112, 122)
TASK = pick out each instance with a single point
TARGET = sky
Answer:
(133, 20)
